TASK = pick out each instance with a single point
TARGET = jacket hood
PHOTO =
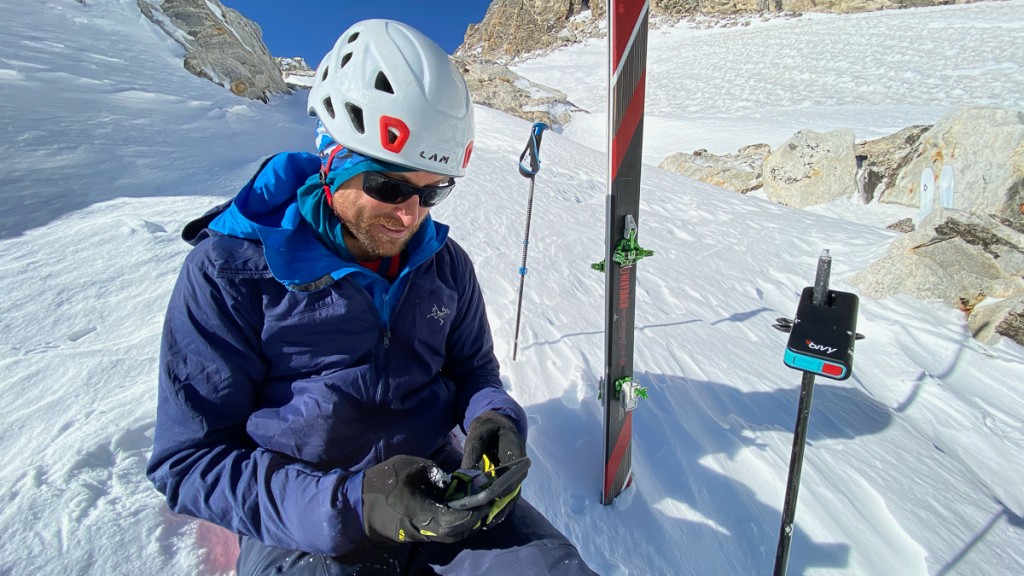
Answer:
(266, 209)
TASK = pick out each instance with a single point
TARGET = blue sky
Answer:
(308, 28)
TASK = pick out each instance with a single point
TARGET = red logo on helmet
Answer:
(393, 134)
(465, 157)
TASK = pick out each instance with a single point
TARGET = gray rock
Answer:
(1003, 319)
(511, 28)
(953, 256)
(811, 168)
(880, 161)
(494, 85)
(904, 225)
(985, 147)
(740, 172)
(220, 45)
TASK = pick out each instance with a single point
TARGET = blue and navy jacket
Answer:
(285, 370)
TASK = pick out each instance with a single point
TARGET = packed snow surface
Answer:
(913, 466)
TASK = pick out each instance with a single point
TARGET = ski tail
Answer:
(946, 186)
(628, 23)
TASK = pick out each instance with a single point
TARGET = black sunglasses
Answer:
(388, 190)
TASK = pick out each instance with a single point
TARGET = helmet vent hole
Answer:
(329, 107)
(345, 59)
(383, 84)
(393, 136)
(324, 75)
(355, 115)
(353, 38)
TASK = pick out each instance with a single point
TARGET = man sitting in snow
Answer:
(325, 337)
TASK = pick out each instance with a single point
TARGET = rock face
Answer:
(512, 28)
(959, 258)
(985, 147)
(811, 168)
(495, 86)
(221, 45)
(740, 172)
(296, 73)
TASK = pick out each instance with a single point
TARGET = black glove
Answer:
(494, 435)
(494, 445)
(404, 501)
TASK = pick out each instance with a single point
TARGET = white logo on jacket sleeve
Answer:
(439, 315)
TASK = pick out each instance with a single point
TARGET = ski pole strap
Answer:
(533, 151)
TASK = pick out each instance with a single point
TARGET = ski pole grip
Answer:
(533, 151)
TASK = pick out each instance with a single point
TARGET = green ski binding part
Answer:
(628, 252)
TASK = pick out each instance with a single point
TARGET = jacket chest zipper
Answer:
(387, 338)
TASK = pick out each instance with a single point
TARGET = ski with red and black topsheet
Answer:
(627, 25)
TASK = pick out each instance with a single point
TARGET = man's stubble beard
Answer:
(362, 228)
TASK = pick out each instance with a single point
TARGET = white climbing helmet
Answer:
(387, 91)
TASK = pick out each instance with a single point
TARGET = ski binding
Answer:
(629, 393)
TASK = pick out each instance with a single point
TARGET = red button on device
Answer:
(831, 369)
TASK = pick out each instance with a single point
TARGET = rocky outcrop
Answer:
(495, 86)
(512, 28)
(963, 259)
(811, 168)
(220, 45)
(740, 172)
(296, 72)
(985, 147)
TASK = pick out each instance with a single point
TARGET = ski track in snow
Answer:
(912, 465)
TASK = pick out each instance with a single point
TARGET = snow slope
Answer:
(913, 466)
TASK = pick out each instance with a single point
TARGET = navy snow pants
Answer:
(525, 543)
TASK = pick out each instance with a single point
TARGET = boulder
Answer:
(740, 172)
(880, 161)
(495, 86)
(985, 147)
(220, 45)
(1004, 318)
(953, 256)
(811, 168)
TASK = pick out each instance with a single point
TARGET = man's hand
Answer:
(404, 501)
(494, 435)
(495, 446)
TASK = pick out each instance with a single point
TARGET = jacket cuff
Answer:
(352, 503)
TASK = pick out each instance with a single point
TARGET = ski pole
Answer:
(796, 459)
(533, 151)
(821, 341)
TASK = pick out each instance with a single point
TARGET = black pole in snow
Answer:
(796, 459)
